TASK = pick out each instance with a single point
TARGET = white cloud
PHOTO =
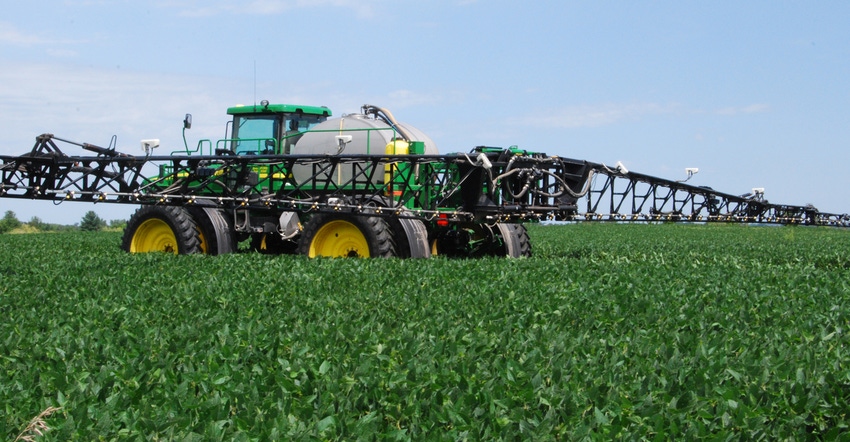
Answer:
(606, 114)
(11, 35)
(596, 115)
(90, 104)
(749, 109)
(403, 98)
(193, 8)
(62, 53)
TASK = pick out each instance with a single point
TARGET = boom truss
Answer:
(486, 185)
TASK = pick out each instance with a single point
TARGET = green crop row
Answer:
(652, 332)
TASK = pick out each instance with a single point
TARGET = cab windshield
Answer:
(270, 134)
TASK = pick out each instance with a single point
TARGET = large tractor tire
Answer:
(411, 238)
(217, 235)
(410, 234)
(162, 229)
(341, 235)
(514, 239)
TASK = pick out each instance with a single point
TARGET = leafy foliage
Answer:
(91, 222)
(9, 222)
(118, 224)
(608, 332)
(37, 224)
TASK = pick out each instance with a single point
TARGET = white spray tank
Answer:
(374, 131)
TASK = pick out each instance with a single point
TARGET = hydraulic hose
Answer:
(388, 118)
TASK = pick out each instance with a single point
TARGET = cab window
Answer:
(255, 134)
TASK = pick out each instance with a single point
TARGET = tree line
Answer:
(90, 222)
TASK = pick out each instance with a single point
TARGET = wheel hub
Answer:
(339, 238)
(154, 235)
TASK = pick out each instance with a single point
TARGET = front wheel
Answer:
(161, 229)
(336, 235)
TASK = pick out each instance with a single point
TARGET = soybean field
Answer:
(609, 331)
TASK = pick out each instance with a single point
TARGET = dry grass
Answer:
(37, 426)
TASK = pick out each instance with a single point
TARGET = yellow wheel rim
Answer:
(339, 239)
(204, 245)
(154, 235)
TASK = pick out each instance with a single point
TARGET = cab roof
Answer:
(278, 108)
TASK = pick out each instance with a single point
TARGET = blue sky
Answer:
(755, 94)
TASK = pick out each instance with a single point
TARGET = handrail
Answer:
(222, 145)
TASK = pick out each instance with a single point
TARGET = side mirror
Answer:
(187, 122)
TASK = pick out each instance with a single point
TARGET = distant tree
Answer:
(36, 223)
(117, 223)
(91, 222)
(9, 222)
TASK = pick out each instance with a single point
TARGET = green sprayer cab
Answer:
(270, 129)
(258, 130)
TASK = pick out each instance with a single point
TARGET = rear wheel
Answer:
(335, 235)
(161, 229)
